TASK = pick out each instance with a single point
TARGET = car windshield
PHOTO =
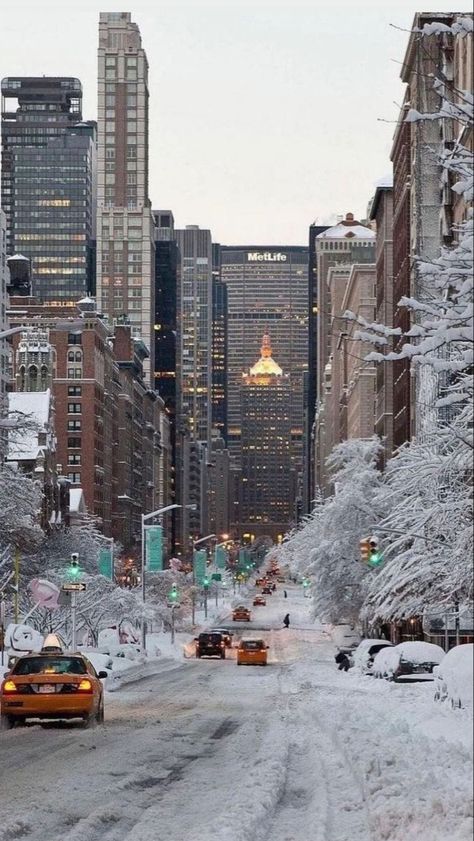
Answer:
(252, 645)
(50, 665)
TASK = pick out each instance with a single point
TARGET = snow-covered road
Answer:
(206, 751)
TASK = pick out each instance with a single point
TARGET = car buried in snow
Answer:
(408, 661)
(454, 677)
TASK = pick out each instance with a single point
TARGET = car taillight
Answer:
(85, 686)
(10, 686)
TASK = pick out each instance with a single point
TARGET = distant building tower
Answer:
(125, 227)
(45, 107)
(267, 481)
(48, 183)
(219, 347)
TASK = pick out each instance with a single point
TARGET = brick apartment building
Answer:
(109, 424)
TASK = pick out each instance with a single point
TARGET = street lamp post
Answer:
(196, 543)
(144, 518)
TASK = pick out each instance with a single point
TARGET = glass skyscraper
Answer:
(48, 184)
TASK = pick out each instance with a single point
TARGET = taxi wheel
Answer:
(100, 713)
(6, 722)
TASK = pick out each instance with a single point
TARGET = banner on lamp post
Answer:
(221, 557)
(106, 562)
(200, 564)
(154, 548)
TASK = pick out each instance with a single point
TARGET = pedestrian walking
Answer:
(273, 587)
(286, 621)
(285, 594)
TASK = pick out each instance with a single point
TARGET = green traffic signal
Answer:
(173, 593)
(74, 569)
(205, 582)
(375, 558)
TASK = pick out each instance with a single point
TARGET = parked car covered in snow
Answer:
(454, 677)
(363, 657)
(412, 660)
(345, 637)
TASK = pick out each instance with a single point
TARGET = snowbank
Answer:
(455, 677)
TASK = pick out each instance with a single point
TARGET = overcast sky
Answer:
(264, 115)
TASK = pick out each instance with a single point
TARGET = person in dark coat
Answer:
(273, 587)
(286, 621)
(285, 593)
(343, 661)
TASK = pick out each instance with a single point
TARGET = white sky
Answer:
(264, 115)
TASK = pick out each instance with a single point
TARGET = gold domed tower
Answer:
(267, 477)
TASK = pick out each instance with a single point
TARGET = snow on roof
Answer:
(349, 228)
(385, 181)
(32, 406)
(77, 504)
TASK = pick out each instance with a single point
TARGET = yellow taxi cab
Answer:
(53, 685)
(241, 614)
(252, 653)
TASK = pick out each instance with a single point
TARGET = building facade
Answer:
(337, 248)
(110, 426)
(311, 379)
(267, 289)
(267, 480)
(219, 349)
(381, 212)
(34, 110)
(423, 187)
(125, 225)
(55, 213)
(4, 280)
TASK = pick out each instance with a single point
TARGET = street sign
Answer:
(154, 548)
(216, 576)
(200, 563)
(70, 586)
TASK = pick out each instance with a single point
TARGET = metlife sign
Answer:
(266, 257)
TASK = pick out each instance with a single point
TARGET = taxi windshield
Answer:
(50, 665)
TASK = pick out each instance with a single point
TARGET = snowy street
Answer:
(205, 750)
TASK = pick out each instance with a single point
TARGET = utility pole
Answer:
(16, 569)
(73, 620)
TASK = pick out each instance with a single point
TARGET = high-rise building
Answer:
(310, 381)
(194, 379)
(338, 247)
(48, 184)
(44, 107)
(267, 481)
(267, 289)
(3, 323)
(219, 347)
(125, 225)
(167, 278)
(381, 212)
(424, 203)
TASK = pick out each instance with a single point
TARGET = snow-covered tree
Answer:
(20, 505)
(429, 482)
(325, 548)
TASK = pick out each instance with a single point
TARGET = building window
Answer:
(74, 339)
(74, 458)
(74, 373)
(75, 478)
(74, 443)
(74, 425)
(74, 408)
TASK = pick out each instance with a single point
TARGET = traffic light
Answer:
(305, 583)
(173, 594)
(205, 582)
(364, 550)
(375, 555)
(74, 570)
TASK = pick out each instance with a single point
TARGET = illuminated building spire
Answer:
(266, 364)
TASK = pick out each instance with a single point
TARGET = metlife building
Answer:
(267, 291)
